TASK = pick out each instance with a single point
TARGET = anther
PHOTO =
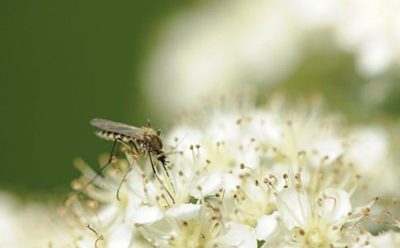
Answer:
(92, 204)
(301, 153)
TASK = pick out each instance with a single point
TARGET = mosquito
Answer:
(143, 141)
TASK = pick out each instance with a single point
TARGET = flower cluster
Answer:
(266, 41)
(237, 177)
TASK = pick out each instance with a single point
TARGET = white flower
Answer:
(369, 147)
(103, 215)
(388, 239)
(237, 177)
(189, 225)
(263, 42)
(34, 224)
(317, 220)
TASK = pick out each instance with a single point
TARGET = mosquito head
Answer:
(162, 158)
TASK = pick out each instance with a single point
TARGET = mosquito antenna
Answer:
(176, 146)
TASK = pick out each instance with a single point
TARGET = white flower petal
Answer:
(369, 147)
(184, 211)
(108, 214)
(328, 146)
(239, 235)
(121, 237)
(294, 208)
(266, 226)
(209, 185)
(146, 215)
(336, 204)
(388, 239)
(231, 181)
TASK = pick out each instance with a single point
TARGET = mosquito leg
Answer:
(172, 185)
(155, 173)
(165, 168)
(109, 160)
(133, 145)
(97, 175)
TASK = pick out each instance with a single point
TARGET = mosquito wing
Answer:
(116, 127)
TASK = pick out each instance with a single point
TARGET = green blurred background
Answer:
(63, 63)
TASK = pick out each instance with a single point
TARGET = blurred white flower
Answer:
(369, 147)
(218, 46)
(34, 224)
(388, 239)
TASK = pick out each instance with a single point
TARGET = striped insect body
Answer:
(143, 141)
(113, 136)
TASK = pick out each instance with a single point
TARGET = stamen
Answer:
(99, 237)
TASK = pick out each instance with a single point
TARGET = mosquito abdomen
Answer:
(113, 136)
